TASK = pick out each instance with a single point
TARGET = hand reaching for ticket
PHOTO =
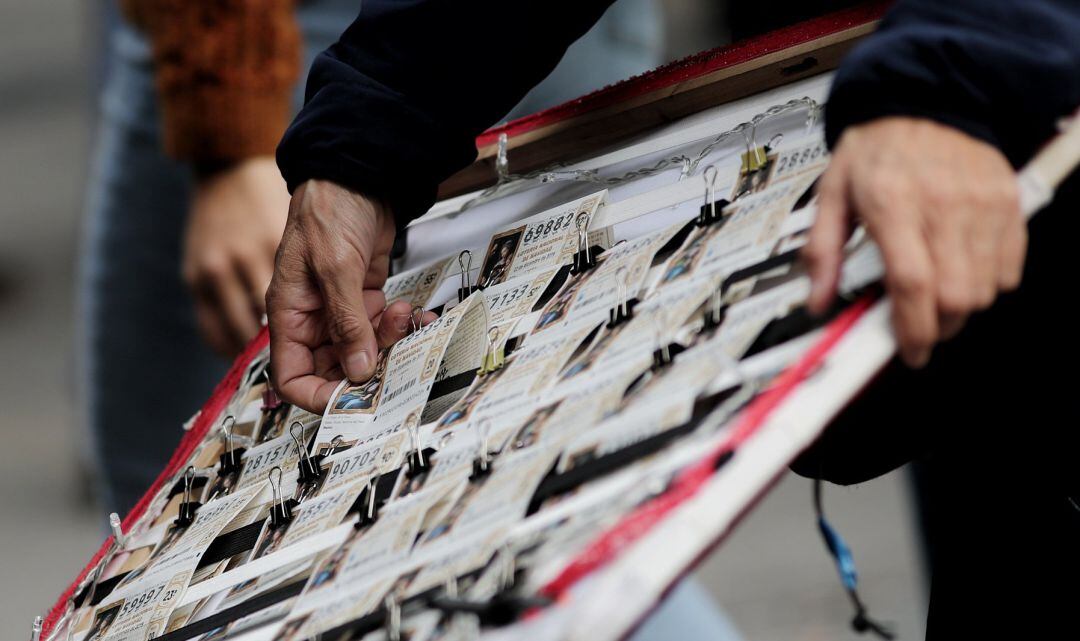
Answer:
(325, 303)
(944, 209)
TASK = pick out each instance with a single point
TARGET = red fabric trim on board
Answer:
(207, 419)
(691, 67)
(638, 523)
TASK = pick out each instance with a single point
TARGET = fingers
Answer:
(213, 328)
(823, 251)
(1013, 248)
(909, 279)
(234, 298)
(257, 272)
(948, 237)
(347, 321)
(396, 322)
(297, 361)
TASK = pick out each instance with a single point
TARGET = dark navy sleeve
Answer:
(394, 107)
(1003, 71)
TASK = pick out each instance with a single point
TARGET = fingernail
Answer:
(358, 366)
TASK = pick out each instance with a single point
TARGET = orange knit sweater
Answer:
(225, 73)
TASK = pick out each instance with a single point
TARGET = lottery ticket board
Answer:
(620, 365)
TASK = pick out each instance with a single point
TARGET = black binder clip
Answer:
(231, 458)
(280, 509)
(712, 211)
(467, 287)
(482, 463)
(583, 259)
(369, 507)
(310, 466)
(504, 607)
(186, 514)
(624, 309)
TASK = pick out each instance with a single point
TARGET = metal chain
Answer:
(555, 172)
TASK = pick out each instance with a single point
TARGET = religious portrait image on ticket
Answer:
(330, 566)
(270, 540)
(530, 431)
(409, 483)
(557, 308)
(222, 485)
(446, 523)
(684, 260)
(591, 353)
(273, 422)
(103, 620)
(461, 410)
(500, 255)
(291, 629)
(363, 398)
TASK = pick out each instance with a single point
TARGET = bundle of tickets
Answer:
(620, 366)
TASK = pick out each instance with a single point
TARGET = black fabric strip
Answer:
(196, 483)
(772, 262)
(676, 241)
(383, 488)
(556, 484)
(452, 384)
(553, 287)
(231, 544)
(103, 590)
(229, 615)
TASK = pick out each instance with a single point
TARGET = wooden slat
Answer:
(580, 136)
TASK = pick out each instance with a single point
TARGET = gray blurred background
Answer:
(773, 577)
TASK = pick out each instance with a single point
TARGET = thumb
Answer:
(347, 321)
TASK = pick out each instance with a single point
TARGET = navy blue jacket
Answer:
(394, 106)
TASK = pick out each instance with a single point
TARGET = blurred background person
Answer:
(186, 206)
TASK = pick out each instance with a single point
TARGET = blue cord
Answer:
(845, 566)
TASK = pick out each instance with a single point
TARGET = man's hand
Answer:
(943, 208)
(325, 303)
(232, 233)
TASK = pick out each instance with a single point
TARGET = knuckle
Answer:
(910, 281)
(335, 261)
(884, 187)
(939, 196)
(955, 301)
(984, 298)
(214, 266)
(345, 326)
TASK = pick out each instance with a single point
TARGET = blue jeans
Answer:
(143, 368)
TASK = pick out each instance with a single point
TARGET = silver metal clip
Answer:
(280, 512)
(466, 275)
(416, 318)
(117, 530)
(308, 469)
